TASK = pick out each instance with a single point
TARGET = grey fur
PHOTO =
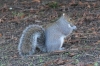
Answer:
(56, 33)
(47, 40)
(28, 41)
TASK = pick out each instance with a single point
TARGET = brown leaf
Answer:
(15, 38)
(23, 16)
(59, 61)
(0, 35)
(71, 54)
(80, 3)
(4, 8)
(93, 28)
(98, 42)
(0, 20)
(47, 63)
(88, 6)
(94, 32)
(94, 4)
(73, 3)
(36, 1)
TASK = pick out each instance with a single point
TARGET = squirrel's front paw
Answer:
(62, 48)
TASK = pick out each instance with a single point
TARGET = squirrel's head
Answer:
(69, 21)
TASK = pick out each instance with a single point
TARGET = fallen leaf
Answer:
(94, 4)
(80, 3)
(59, 61)
(71, 54)
(36, 1)
(0, 20)
(0, 35)
(88, 6)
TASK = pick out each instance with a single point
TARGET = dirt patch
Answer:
(83, 46)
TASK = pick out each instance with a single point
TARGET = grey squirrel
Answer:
(47, 39)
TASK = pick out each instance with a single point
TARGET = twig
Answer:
(49, 54)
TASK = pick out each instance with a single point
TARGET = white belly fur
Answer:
(62, 40)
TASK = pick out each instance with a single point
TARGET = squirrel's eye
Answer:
(70, 19)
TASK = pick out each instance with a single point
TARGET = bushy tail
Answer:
(30, 39)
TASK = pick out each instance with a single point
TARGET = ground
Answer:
(82, 46)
